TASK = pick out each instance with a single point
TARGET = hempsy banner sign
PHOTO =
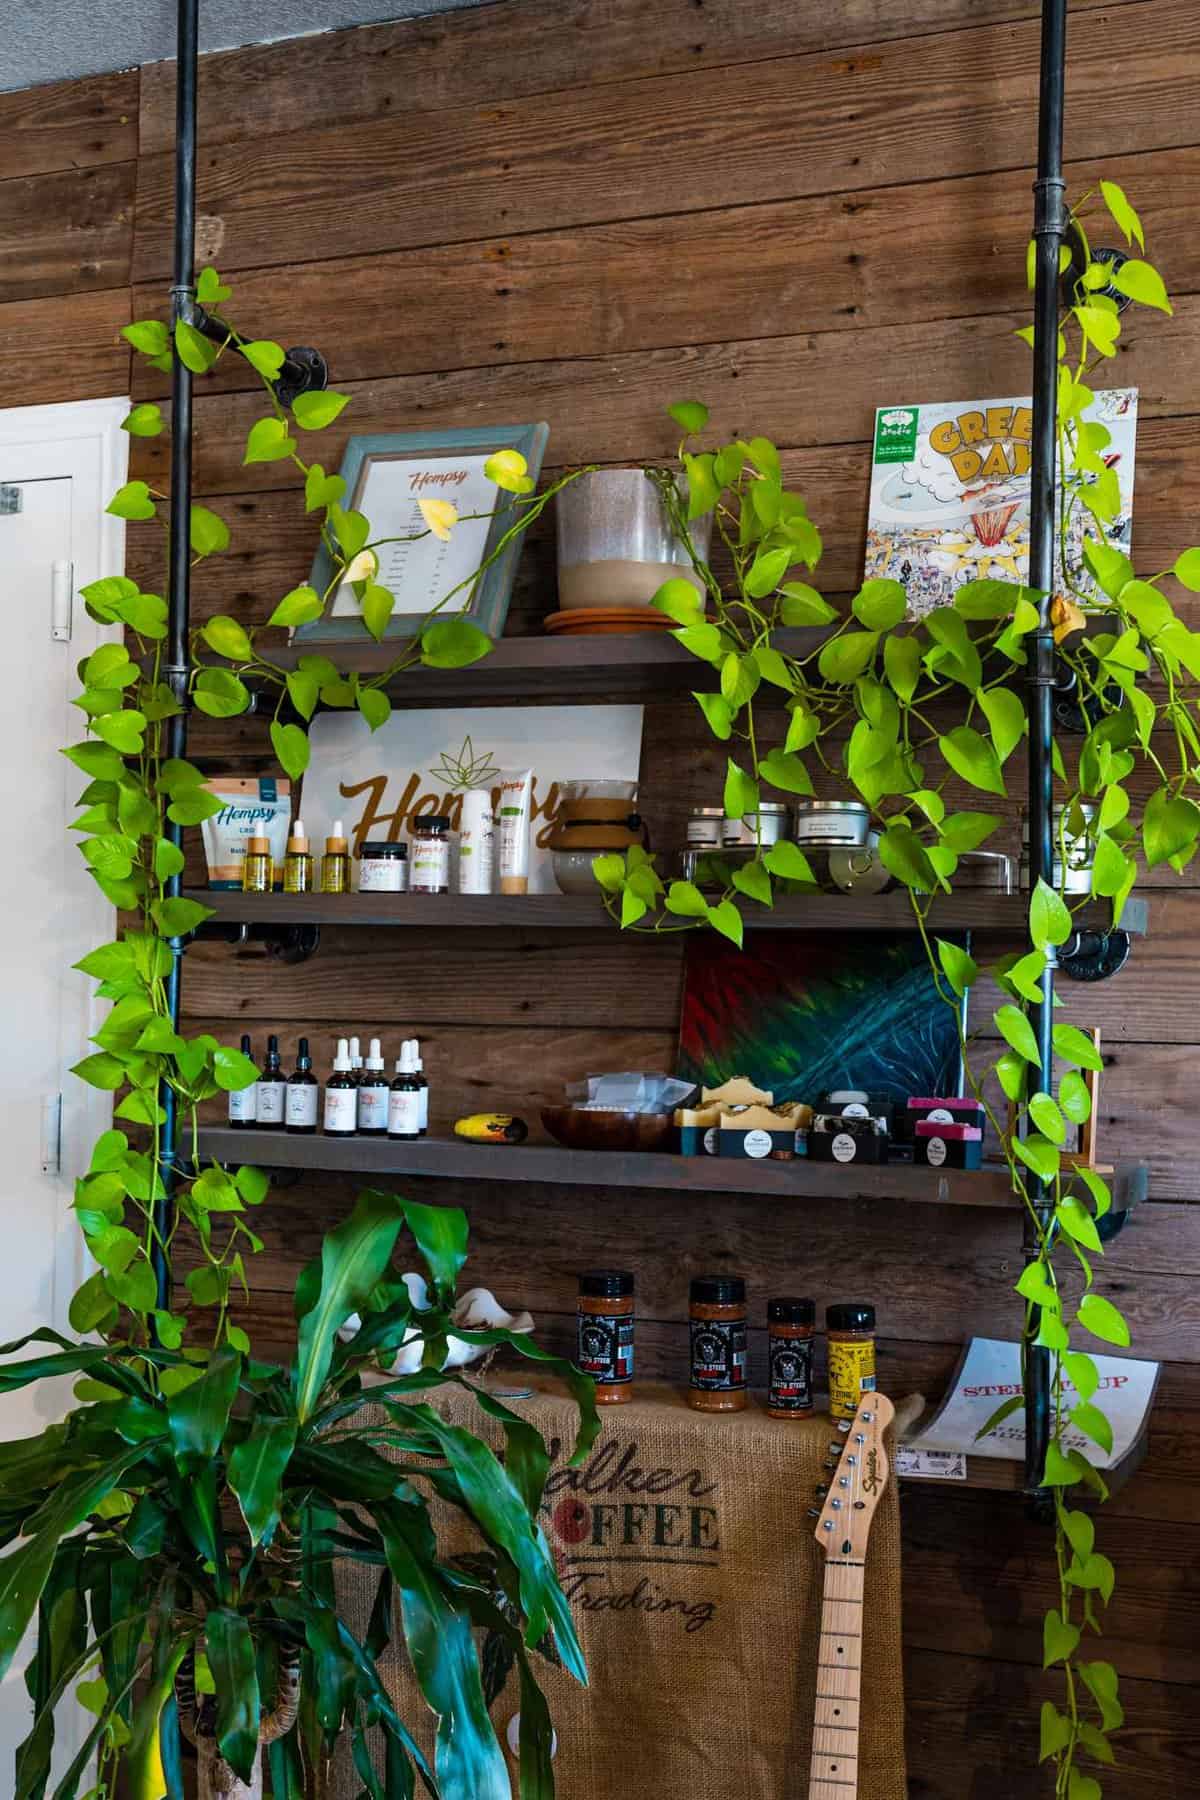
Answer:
(950, 492)
(378, 782)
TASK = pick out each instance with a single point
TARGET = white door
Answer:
(58, 467)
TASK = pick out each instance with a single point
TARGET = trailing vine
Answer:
(896, 711)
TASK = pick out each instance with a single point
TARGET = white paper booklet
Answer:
(990, 1372)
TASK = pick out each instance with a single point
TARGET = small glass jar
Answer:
(717, 1323)
(431, 854)
(258, 868)
(850, 1334)
(706, 827)
(790, 1358)
(606, 1333)
(383, 868)
(1073, 828)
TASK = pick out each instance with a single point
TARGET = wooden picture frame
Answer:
(445, 463)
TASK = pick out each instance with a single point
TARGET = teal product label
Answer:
(267, 789)
(895, 434)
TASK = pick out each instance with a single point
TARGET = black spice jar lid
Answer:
(381, 847)
(438, 823)
(854, 1316)
(791, 1312)
(718, 1290)
(606, 1284)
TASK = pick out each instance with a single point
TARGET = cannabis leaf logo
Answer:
(464, 769)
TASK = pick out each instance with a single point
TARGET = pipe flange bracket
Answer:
(291, 943)
(304, 372)
(1094, 955)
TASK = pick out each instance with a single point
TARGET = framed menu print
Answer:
(386, 477)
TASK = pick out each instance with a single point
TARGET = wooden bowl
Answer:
(606, 1129)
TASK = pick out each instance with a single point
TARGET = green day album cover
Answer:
(801, 1014)
(950, 493)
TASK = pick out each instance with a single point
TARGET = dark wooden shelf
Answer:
(1003, 914)
(548, 1163)
(645, 665)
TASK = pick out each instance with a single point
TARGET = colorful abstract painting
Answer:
(802, 1015)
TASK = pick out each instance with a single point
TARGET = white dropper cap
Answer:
(356, 1053)
(374, 1059)
(418, 1059)
(341, 1061)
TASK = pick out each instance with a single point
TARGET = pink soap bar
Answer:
(957, 1134)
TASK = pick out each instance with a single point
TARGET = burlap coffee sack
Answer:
(688, 1554)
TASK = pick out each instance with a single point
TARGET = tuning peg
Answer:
(844, 1425)
(835, 1449)
(814, 1512)
(821, 1489)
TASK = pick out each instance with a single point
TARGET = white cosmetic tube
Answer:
(513, 818)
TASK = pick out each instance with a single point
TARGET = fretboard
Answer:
(834, 1774)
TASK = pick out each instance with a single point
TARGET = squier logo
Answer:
(871, 1473)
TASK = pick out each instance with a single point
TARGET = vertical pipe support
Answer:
(175, 670)
(1049, 231)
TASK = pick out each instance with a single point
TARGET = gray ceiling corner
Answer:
(57, 40)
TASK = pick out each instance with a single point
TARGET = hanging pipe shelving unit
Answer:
(1091, 955)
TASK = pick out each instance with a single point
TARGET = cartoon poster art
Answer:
(950, 493)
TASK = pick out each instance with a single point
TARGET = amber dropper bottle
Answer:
(335, 864)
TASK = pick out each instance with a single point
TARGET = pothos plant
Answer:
(179, 1526)
(903, 714)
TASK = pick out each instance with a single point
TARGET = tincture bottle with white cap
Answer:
(418, 1065)
(373, 1095)
(356, 1060)
(404, 1102)
(341, 1096)
(298, 862)
(335, 864)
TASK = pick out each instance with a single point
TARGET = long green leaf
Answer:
(25, 1570)
(199, 1414)
(235, 1678)
(38, 1368)
(500, 1512)
(353, 1258)
(441, 1237)
(582, 1387)
(469, 1762)
(255, 1468)
(147, 1775)
(62, 1640)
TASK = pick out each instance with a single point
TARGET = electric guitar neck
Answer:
(843, 1526)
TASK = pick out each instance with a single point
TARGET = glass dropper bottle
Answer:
(335, 864)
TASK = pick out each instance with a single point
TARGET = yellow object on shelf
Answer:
(492, 1128)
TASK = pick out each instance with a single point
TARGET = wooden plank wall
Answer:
(579, 212)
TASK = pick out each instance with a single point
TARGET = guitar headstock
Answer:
(857, 1480)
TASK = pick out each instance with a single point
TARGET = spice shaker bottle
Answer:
(850, 1335)
(790, 1358)
(606, 1333)
(717, 1315)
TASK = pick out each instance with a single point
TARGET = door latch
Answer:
(62, 585)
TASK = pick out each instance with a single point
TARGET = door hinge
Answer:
(52, 1134)
(62, 590)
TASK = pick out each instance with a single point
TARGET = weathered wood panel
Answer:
(66, 232)
(614, 151)
(65, 347)
(70, 125)
(511, 49)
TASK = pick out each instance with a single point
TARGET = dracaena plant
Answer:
(177, 1549)
(901, 714)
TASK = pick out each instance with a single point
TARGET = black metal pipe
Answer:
(179, 590)
(1049, 229)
